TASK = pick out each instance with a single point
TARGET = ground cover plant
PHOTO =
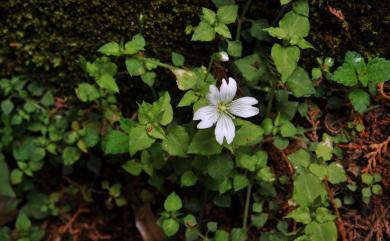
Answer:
(269, 139)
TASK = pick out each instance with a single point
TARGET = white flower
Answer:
(222, 109)
(223, 56)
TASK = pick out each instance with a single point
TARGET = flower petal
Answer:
(208, 116)
(213, 95)
(225, 128)
(242, 107)
(228, 91)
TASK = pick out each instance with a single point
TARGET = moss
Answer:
(44, 39)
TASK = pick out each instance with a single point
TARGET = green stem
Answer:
(241, 19)
(209, 68)
(156, 62)
(271, 97)
(246, 208)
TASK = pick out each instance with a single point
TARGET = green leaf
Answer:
(139, 139)
(295, 25)
(188, 179)
(223, 30)
(111, 48)
(133, 167)
(115, 142)
(189, 98)
(106, 81)
(360, 100)
(135, 66)
(336, 173)
(303, 44)
(173, 203)
(221, 235)
(324, 149)
(307, 188)
(284, 2)
(204, 143)
(378, 70)
(220, 167)
(163, 105)
(258, 220)
(203, 32)
(288, 129)
(23, 223)
(240, 181)
(135, 45)
(70, 155)
(277, 32)
(300, 83)
(345, 75)
(209, 16)
(7, 106)
(300, 158)
(149, 78)
(185, 79)
(321, 232)
(252, 67)
(285, 59)
(227, 14)
(176, 143)
(318, 170)
(170, 226)
(5, 186)
(177, 59)
(367, 179)
(239, 234)
(301, 215)
(234, 48)
(87, 92)
(301, 7)
(248, 134)
(47, 99)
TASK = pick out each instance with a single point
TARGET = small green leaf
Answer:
(48, 99)
(367, 179)
(307, 188)
(135, 66)
(284, 2)
(324, 149)
(258, 220)
(220, 167)
(185, 79)
(5, 186)
(360, 100)
(209, 16)
(336, 173)
(170, 226)
(173, 203)
(300, 83)
(177, 59)
(227, 14)
(176, 143)
(318, 170)
(87, 92)
(115, 142)
(239, 234)
(288, 129)
(111, 48)
(188, 179)
(345, 75)
(234, 48)
(295, 24)
(149, 78)
(70, 155)
(7, 106)
(252, 67)
(258, 31)
(300, 158)
(240, 181)
(285, 59)
(139, 139)
(189, 98)
(23, 223)
(108, 82)
(378, 70)
(221, 235)
(204, 143)
(133, 167)
(248, 134)
(321, 232)
(135, 45)
(301, 215)
(223, 30)
(203, 32)
(301, 7)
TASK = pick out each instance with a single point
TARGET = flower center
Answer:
(222, 107)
